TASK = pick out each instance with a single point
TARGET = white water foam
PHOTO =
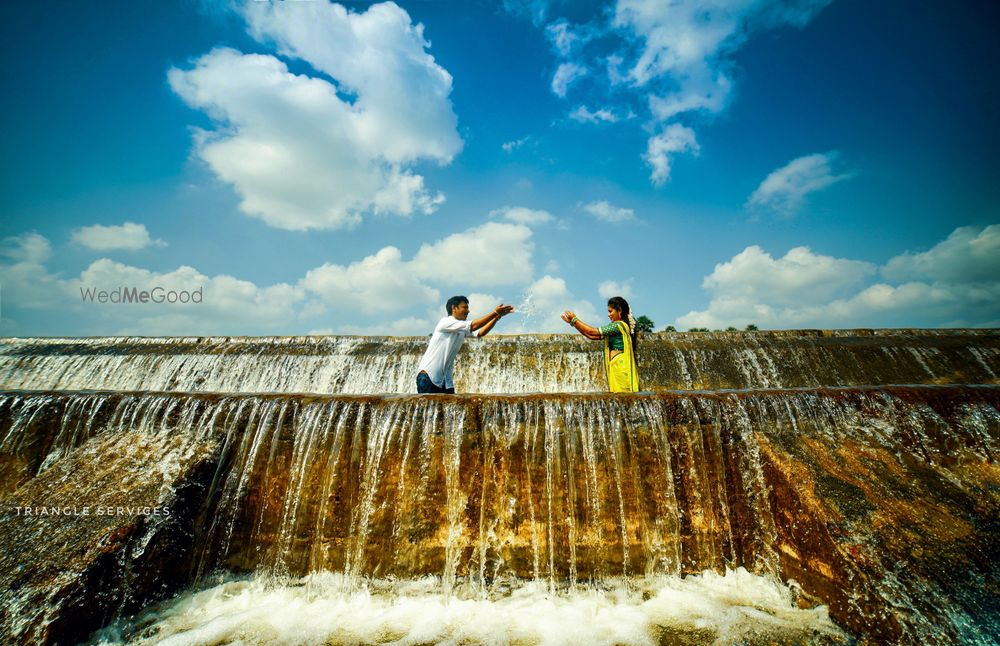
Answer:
(329, 608)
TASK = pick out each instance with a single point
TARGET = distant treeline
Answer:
(645, 324)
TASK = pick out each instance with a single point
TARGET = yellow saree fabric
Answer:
(623, 373)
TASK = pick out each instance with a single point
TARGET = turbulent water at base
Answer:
(533, 363)
(327, 608)
(749, 516)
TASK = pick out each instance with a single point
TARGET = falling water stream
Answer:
(772, 510)
(530, 364)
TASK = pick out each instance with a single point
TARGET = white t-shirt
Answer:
(439, 359)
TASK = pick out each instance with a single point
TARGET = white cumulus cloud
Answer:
(379, 283)
(674, 139)
(522, 215)
(129, 236)
(29, 248)
(482, 304)
(563, 37)
(604, 210)
(689, 40)
(677, 57)
(610, 288)
(495, 253)
(784, 190)
(228, 303)
(954, 284)
(384, 292)
(711, 96)
(800, 276)
(23, 276)
(300, 154)
(381, 57)
(969, 254)
(586, 115)
(565, 74)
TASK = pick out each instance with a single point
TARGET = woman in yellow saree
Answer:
(619, 344)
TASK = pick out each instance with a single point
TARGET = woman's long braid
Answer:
(621, 305)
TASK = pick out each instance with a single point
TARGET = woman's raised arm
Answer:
(588, 331)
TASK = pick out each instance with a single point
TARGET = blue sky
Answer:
(323, 168)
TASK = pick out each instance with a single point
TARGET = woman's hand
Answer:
(591, 333)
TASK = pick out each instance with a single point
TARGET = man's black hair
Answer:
(455, 301)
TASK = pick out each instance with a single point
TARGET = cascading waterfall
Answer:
(539, 488)
(691, 516)
(531, 364)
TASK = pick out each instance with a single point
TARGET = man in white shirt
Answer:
(435, 372)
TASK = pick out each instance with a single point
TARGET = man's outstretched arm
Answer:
(486, 323)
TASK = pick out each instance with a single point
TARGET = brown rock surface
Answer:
(881, 503)
(107, 525)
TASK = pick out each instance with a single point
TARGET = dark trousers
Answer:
(425, 386)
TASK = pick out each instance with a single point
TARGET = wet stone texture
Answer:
(880, 502)
(103, 528)
(897, 533)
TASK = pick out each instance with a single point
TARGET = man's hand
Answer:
(485, 324)
(568, 316)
